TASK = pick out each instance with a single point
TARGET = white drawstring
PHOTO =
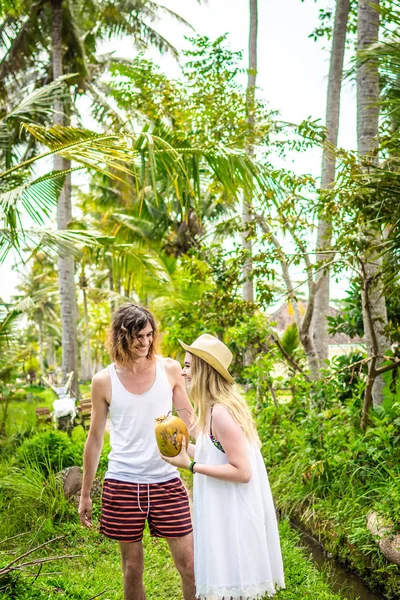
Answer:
(148, 498)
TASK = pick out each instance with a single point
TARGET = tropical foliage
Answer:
(119, 183)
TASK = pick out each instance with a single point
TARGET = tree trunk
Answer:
(248, 287)
(87, 373)
(311, 354)
(40, 341)
(273, 393)
(367, 137)
(4, 404)
(303, 323)
(51, 353)
(367, 82)
(66, 267)
(111, 285)
(320, 324)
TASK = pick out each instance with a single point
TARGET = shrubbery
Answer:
(51, 451)
(327, 472)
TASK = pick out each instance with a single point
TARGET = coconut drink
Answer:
(170, 431)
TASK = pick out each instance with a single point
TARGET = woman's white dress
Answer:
(236, 539)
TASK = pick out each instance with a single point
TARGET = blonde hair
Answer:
(208, 388)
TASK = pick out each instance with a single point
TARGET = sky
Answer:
(292, 69)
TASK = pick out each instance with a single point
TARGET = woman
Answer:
(236, 540)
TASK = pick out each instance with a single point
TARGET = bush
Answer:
(52, 451)
(9, 444)
(30, 501)
(330, 474)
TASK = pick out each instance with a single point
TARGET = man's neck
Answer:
(136, 365)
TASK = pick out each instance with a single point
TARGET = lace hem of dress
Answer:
(254, 592)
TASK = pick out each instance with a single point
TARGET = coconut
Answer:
(170, 431)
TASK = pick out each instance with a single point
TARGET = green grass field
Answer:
(37, 509)
(96, 571)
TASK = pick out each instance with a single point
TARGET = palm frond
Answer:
(179, 292)
(36, 103)
(89, 148)
(130, 18)
(21, 38)
(145, 159)
(138, 226)
(8, 323)
(31, 241)
(75, 56)
(112, 155)
(36, 199)
(171, 13)
(133, 265)
(103, 111)
(24, 305)
(103, 294)
(233, 168)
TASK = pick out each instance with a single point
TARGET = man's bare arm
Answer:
(94, 443)
(180, 398)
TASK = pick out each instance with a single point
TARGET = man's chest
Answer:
(138, 383)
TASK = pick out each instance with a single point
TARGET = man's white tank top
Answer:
(134, 455)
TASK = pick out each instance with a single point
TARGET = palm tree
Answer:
(320, 325)
(66, 264)
(248, 287)
(198, 115)
(23, 197)
(173, 161)
(368, 90)
(74, 31)
(176, 166)
(164, 162)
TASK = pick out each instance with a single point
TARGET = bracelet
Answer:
(191, 466)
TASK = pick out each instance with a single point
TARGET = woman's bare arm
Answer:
(235, 445)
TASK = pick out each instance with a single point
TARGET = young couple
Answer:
(236, 551)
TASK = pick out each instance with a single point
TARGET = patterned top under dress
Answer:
(237, 548)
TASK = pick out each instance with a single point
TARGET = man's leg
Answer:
(132, 569)
(182, 553)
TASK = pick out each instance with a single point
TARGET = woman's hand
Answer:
(182, 460)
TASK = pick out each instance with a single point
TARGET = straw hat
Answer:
(213, 352)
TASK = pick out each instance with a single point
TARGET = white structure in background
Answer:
(339, 344)
(64, 406)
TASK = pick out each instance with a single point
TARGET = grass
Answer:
(98, 571)
(22, 413)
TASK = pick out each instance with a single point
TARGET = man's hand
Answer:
(85, 511)
(182, 460)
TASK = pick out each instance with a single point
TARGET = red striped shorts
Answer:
(126, 506)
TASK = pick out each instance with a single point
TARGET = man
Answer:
(138, 387)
